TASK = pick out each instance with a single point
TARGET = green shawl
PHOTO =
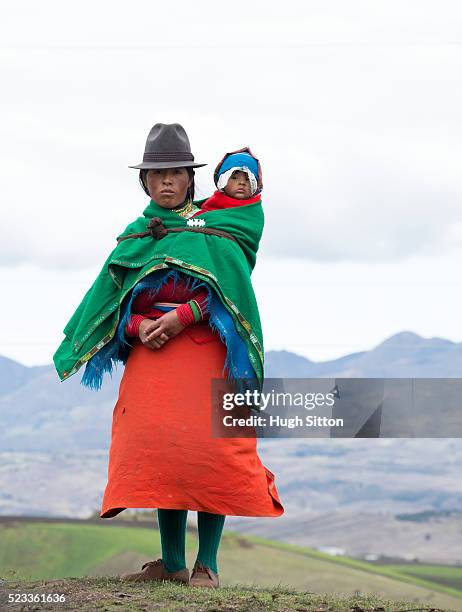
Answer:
(223, 263)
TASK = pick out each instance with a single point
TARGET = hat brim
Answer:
(160, 165)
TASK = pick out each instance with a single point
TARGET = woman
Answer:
(163, 454)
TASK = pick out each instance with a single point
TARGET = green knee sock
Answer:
(172, 526)
(210, 527)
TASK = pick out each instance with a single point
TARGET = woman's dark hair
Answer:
(189, 193)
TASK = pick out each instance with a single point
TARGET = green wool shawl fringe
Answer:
(224, 265)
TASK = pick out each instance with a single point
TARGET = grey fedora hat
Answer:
(167, 146)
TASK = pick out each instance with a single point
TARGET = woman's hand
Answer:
(155, 334)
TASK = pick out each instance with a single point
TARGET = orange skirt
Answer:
(162, 452)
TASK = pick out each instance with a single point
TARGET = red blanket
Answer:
(219, 200)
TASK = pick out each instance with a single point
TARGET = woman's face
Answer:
(168, 186)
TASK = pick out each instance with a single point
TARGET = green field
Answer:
(439, 574)
(46, 551)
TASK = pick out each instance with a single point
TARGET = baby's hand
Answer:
(156, 333)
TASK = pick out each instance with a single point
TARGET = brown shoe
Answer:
(203, 576)
(155, 570)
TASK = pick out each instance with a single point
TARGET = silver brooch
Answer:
(195, 222)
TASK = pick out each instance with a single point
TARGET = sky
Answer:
(352, 107)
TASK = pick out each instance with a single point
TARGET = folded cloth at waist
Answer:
(174, 304)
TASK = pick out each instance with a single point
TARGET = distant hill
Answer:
(14, 375)
(404, 355)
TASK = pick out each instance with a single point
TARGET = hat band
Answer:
(174, 156)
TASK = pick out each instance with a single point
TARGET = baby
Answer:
(238, 180)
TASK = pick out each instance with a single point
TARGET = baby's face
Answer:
(238, 185)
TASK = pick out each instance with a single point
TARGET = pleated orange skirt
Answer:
(162, 452)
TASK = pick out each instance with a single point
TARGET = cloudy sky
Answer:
(354, 109)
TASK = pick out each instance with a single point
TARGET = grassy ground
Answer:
(89, 557)
(101, 594)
